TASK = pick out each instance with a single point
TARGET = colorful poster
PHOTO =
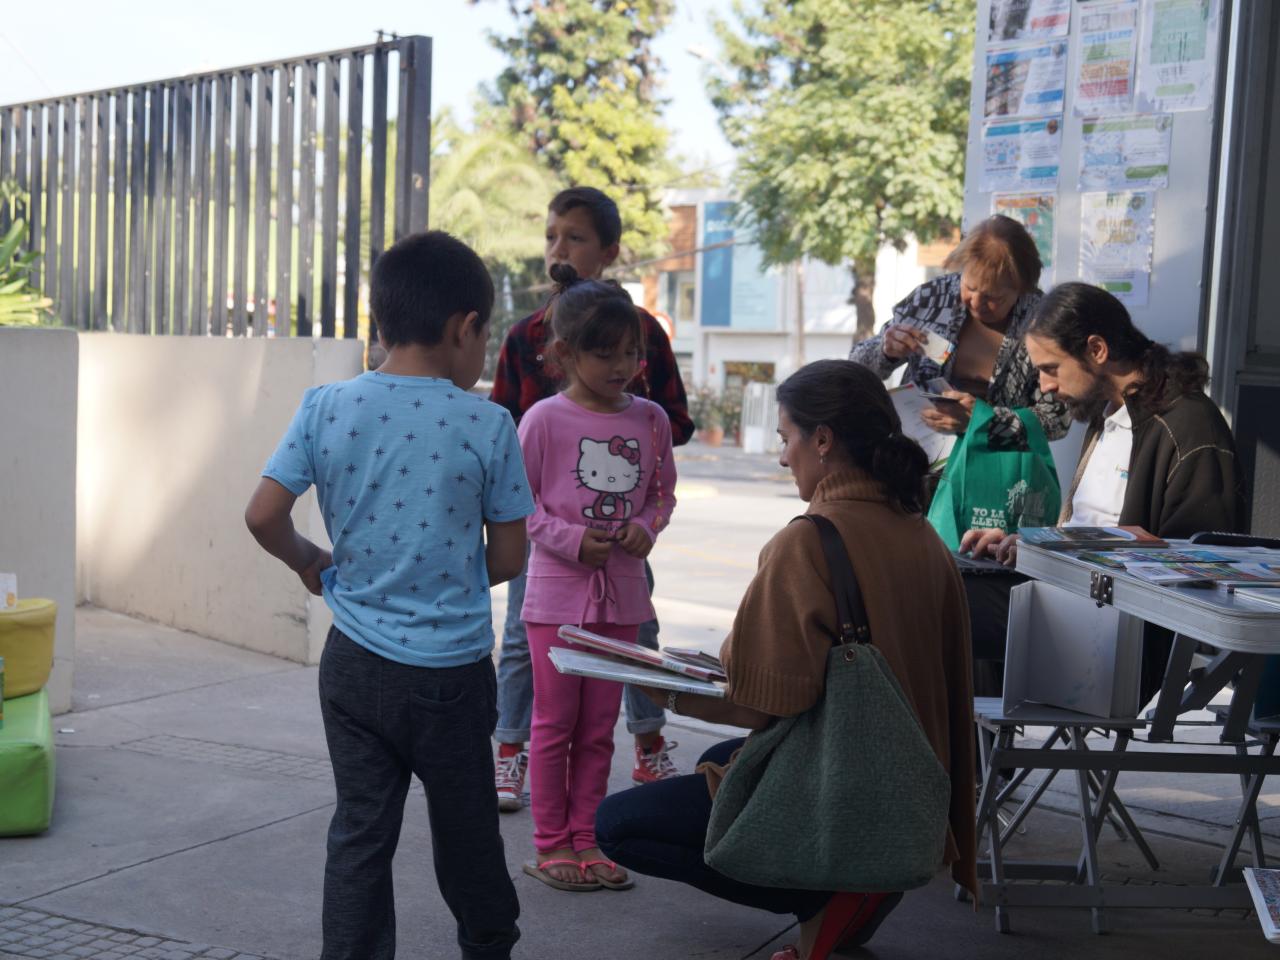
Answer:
(1125, 153)
(1028, 20)
(1178, 55)
(1035, 212)
(1021, 156)
(1108, 50)
(1117, 231)
(1027, 81)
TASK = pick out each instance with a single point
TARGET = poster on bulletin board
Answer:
(1117, 233)
(1177, 65)
(1035, 211)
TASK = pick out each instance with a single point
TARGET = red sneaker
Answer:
(655, 765)
(508, 779)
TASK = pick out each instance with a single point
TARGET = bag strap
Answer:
(851, 615)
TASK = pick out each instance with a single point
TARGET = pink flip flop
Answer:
(626, 884)
(539, 872)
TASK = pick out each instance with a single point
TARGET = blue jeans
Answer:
(385, 721)
(515, 675)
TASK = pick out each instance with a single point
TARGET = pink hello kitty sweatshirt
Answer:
(601, 470)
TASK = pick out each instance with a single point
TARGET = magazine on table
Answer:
(1089, 538)
(1119, 559)
(584, 663)
(658, 659)
(1224, 574)
(1264, 887)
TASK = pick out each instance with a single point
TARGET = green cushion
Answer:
(26, 766)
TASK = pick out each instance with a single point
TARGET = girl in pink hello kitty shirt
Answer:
(602, 477)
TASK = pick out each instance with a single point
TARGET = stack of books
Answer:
(608, 658)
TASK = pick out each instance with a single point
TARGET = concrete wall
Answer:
(174, 432)
(38, 479)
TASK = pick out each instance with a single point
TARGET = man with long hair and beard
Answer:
(1158, 453)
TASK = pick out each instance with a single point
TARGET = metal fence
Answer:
(198, 204)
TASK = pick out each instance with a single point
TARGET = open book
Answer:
(690, 663)
(1264, 887)
(583, 663)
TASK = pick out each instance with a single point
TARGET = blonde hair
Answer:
(999, 254)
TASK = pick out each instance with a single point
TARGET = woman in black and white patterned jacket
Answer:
(982, 307)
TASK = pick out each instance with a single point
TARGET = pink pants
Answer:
(570, 743)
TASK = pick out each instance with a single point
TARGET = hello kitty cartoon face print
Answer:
(611, 470)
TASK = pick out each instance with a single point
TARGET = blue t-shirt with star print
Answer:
(406, 471)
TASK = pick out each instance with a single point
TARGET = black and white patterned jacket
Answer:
(936, 307)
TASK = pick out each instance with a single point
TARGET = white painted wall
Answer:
(174, 432)
(38, 480)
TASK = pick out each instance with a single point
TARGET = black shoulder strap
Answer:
(851, 614)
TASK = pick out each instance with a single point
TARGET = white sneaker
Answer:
(508, 778)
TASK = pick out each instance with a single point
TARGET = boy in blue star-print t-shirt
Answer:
(423, 493)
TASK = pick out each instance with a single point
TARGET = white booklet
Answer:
(581, 663)
(1264, 887)
(910, 404)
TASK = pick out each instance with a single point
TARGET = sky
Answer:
(72, 46)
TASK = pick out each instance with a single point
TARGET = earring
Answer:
(822, 459)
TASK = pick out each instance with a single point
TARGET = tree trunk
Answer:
(864, 288)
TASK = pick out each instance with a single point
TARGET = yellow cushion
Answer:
(26, 644)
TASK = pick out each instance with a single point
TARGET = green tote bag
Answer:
(847, 796)
(986, 486)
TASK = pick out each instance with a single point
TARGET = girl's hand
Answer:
(659, 697)
(950, 417)
(594, 551)
(634, 541)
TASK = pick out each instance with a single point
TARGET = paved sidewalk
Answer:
(193, 801)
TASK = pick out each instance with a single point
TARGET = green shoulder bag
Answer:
(848, 796)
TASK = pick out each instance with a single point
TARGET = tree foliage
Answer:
(580, 92)
(488, 191)
(850, 121)
(21, 304)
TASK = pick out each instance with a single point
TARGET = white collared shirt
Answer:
(1100, 493)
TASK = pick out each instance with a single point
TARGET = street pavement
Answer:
(194, 794)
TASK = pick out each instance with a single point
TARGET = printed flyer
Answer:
(1021, 156)
(1027, 81)
(1035, 212)
(1117, 232)
(1125, 153)
(1108, 51)
(1178, 55)
(1028, 20)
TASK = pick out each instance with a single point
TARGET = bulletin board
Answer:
(1094, 123)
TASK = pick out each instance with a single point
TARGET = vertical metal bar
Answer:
(240, 264)
(199, 320)
(221, 205)
(152, 321)
(413, 172)
(67, 234)
(284, 204)
(119, 227)
(307, 200)
(101, 209)
(355, 163)
(53, 185)
(164, 209)
(262, 202)
(37, 188)
(137, 209)
(84, 211)
(182, 205)
(20, 166)
(378, 160)
(6, 152)
(329, 208)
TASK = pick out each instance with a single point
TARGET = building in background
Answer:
(734, 321)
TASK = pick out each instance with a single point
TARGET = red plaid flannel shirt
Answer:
(523, 377)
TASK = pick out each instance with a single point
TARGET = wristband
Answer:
(671, 701)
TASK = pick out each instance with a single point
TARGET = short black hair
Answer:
(421, 282)
(604, 212)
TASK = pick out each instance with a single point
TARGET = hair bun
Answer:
(564, 276)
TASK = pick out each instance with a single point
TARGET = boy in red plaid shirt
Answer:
(583, 230)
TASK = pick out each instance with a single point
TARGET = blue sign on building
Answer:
(717, 264)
